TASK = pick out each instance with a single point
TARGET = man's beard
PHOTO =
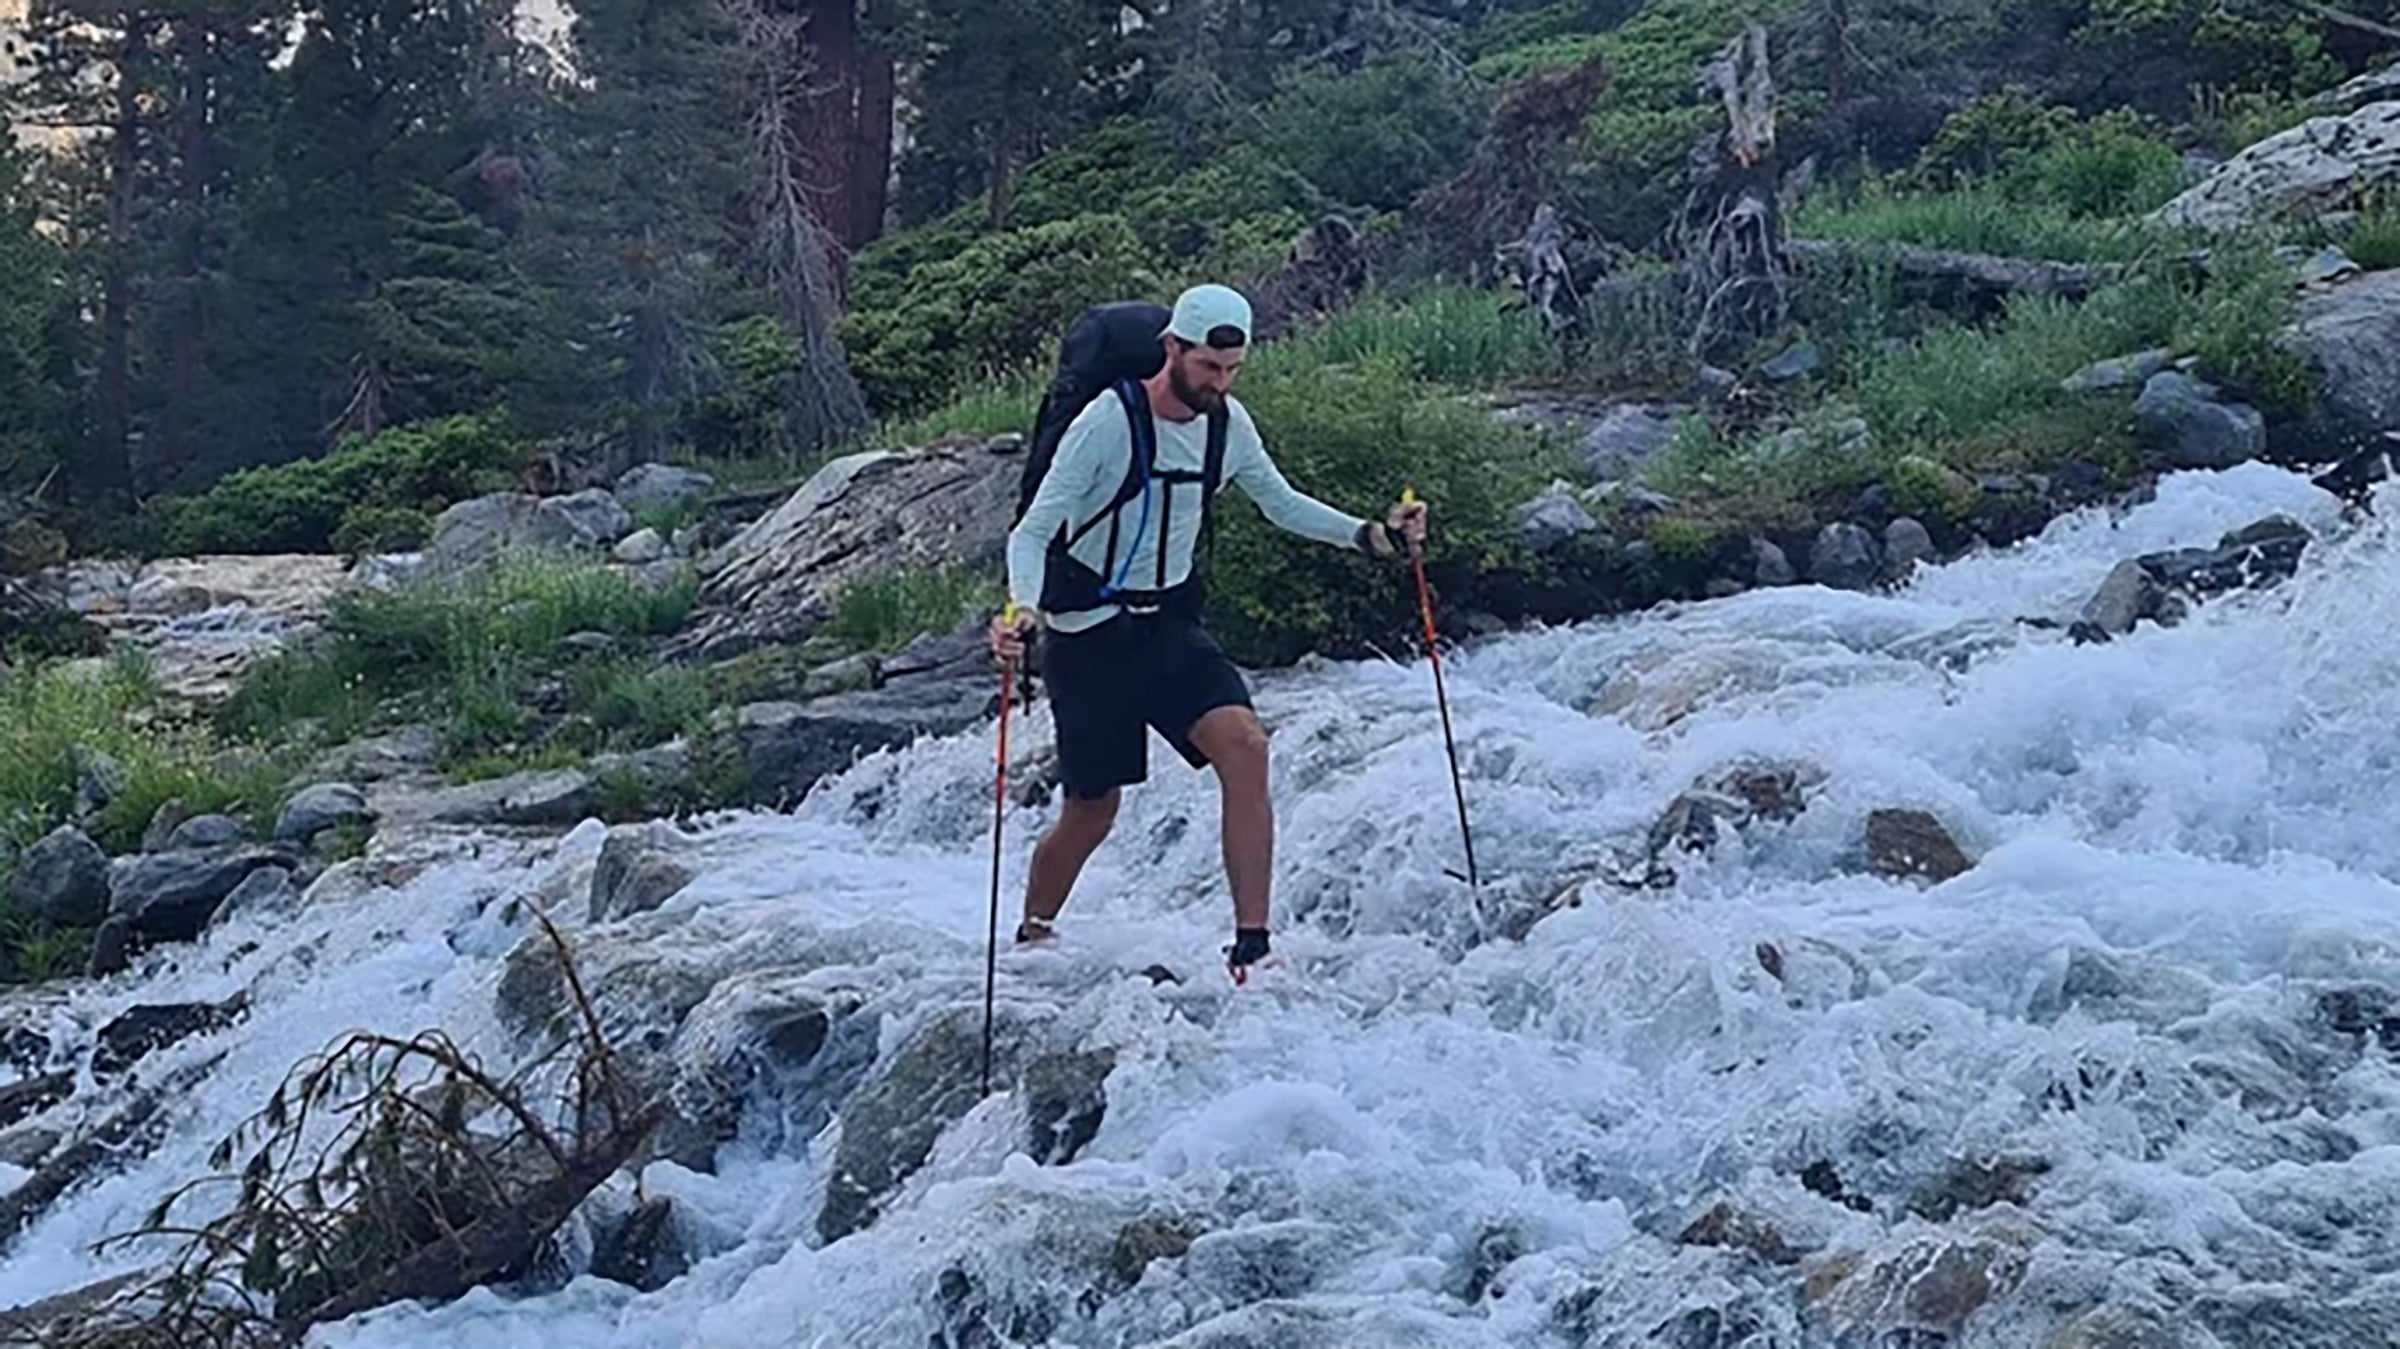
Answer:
(1196, 399)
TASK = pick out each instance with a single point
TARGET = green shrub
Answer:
(1988, 136)
(624, 705)
(1979, 218)
(986, 408)
(881, 613)
(382, 529)
(1930, 491)
(2113, 165)
(1353, 435)
(1678, 539)
(2231, 322)
(298, 507)
(1000, 304)
(1461, 338)
(745, 417)
(1375, 137)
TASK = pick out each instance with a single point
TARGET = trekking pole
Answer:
(1416, 556)
(991, 946)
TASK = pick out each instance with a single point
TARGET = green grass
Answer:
(2374, 241)
(459, 655)
(1980, 219)
(48, 712)
(1001, 405)
(882, 613)
(1459, 338)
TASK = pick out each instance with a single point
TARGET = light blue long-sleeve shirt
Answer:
(1091, 463)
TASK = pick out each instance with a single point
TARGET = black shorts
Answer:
(1108, 683)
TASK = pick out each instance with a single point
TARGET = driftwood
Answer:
(1323, 273)
(1952, 280)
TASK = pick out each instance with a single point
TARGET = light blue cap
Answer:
(1203, 309)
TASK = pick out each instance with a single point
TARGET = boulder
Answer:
(1844, 557)
(268, 890)
(888, 1126)
(1904, 843)
(850, 674)
(1905, 544)
(1624, 438)
(2351, 333)
(640, 548)
(171, 896)
(552, 797)
(636, 873)
(2327, 264)
(1793, 362)
(868, 514)
(1553, 518)
(99, 779)
(2319, 165)
(787, 747)
(163, 823)
(2123, 372)
(662, 487)
(64, 878)
(1925, 1282)
(2129, 595)
(112, 947)
(205, 831)
(2180, 417)
(644, 1250)
(776, 1039)
(1065, 1101)
(475, 533)
(146, 1028)
(1770, 567)
(327, 805)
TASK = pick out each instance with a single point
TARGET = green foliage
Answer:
(743, 418)
(2374, 242)
(377, 528)
(48, 712)
(1989, 136)
(627, 705)
(2113, 165)
(1678, 539)
(31, 272)
(999, 304)
(1353, 435)
(300, 506)
(460, 655)
(1929, 491)
(989, 408)
(1376, 137)
(2231, 322)
(1980, 218)
(882, 613)
(1456, 337)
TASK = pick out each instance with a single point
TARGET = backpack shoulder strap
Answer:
(1143, 442)
(1212, 474)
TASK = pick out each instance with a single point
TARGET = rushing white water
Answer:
(1428, 1133)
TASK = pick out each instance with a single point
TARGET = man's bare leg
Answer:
(1236, 746)
(1058, 859)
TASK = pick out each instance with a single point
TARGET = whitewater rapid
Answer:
(1431, 1132)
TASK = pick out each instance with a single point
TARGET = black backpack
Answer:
(1113, 347)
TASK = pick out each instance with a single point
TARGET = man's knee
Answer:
(1237, 744)
(1088, 820)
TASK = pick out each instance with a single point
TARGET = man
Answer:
(1109, 574)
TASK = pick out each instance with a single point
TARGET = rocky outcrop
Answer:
(2322, 164)
(637, 871)
(315, 809)
(2351, 333)
(475, 533)
(2159, 586)
(2183, 420)
(2376, 86)
(1947, 279)
(202, 621)
(645, 488)
(171, 896)
(870, 514)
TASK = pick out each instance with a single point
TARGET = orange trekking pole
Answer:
(991, 948)
(1416, 556)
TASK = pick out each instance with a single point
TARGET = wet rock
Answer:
(1906, 543)
(767, 1043)
(1821, 1178)
(27, 1147)
(1145, 1241)
(2350, 332)
(327, 805)
(2123, 372)
(1771, 566)
(1930, 1282)
(1728, 1225)
(662, 487)
(64, 878)
(170, 896)
(636, 873)
(2363, 1012)
(30, 1096)
(889, 1125)
(2114, 1327)
(268, 890)
(112, 947)
(1065, 1101)
(644, 1250)
(1906, 843)
(2255, 556)
(2129, 595)
(2180, 417)
(1844, 557)
(146, 1028)
(787, 747)
(1969, 1183)
(1265, 1261)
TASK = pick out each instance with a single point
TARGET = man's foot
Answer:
(1249, 950)
(1035, 932)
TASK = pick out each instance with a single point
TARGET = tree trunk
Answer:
(871, 152)
(1837, 39)
(829, 116)
(1003, 172)
(172, 441)
(110, 472)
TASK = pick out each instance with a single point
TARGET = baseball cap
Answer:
(1204, 309)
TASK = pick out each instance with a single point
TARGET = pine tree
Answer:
(32, 287)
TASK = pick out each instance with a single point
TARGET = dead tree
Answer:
(1730, 235)
(1514, 172)
(794, 253)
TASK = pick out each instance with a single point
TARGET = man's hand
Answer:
(1408, 519)
(1010, 627)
